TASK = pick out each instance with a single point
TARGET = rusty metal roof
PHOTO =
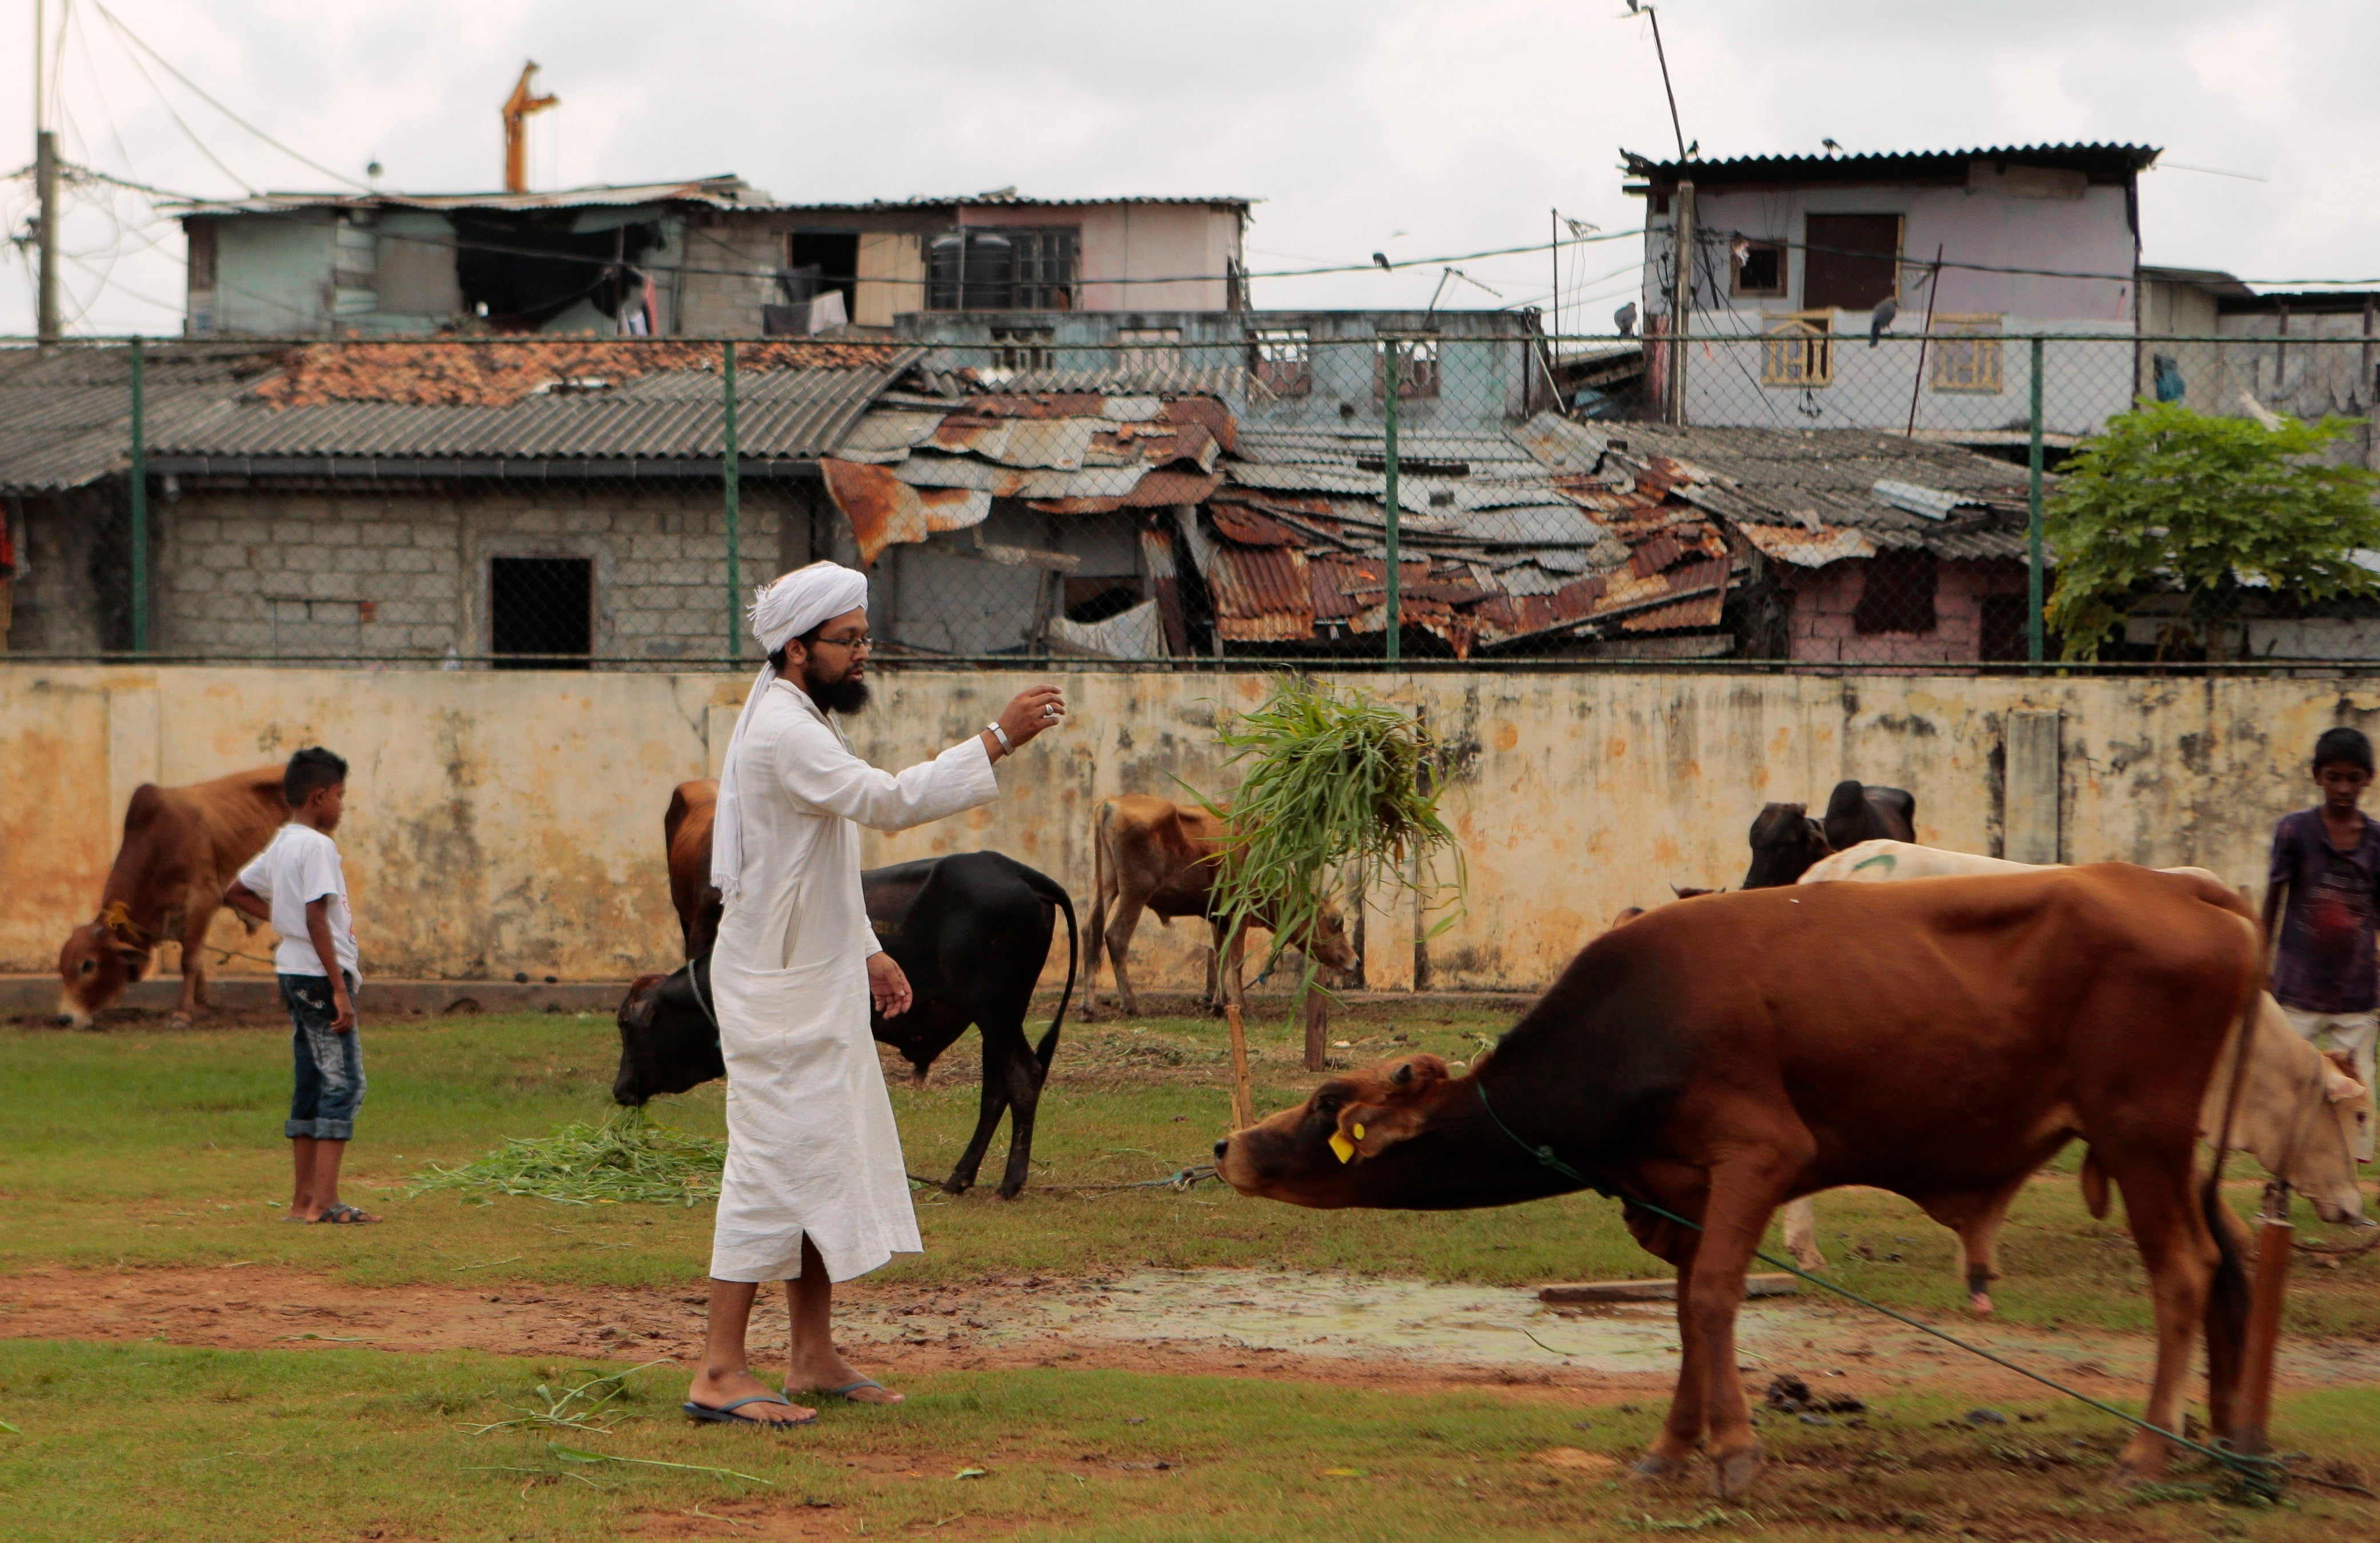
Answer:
(1060, 452)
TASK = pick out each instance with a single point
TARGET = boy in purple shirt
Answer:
(2325, 889)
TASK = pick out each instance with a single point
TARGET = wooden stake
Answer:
(1244, 1098)
(2255, 1406)
(1318, 1028)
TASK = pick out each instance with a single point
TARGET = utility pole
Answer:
(45, 183)
(1682, 292)
(1390, 344)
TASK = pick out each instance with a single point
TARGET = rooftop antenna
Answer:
(517, 109)
(1636, 8)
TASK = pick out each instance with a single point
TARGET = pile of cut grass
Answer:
(627, 1160)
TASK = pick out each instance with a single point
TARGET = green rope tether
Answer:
(2260, 1476)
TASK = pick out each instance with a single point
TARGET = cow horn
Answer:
(1403, 1076)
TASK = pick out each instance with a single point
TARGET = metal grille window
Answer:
(540, 611)
(1796, 350)
(1759, 268)
(1031, 268)
(1959, 365)
(1282, 358)
(1417, 368)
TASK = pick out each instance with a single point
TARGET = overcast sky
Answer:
(1391, 126)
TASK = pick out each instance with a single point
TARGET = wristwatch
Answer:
(1002, 735)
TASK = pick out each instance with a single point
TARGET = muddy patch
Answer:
(1311, 1327)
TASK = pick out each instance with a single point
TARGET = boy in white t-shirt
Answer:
(297, 885)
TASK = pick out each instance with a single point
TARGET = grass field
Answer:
(138, 1148)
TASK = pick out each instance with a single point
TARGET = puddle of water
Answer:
(1363, 1317)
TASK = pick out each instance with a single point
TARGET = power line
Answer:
(167, 65)
(167, 103)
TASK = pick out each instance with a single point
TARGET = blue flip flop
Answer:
(848, 1389)
(725, 1414)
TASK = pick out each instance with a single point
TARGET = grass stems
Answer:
(626, 1160)
(1340, 794)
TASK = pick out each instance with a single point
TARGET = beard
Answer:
(846, 693)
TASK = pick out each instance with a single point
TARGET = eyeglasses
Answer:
(857, 644)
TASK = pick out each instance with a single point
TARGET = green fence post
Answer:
(728, 468)
(139, 508)
(2033, 624)
(1389, 347)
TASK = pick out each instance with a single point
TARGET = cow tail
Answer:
(1047, 1050)
(2228, 1294)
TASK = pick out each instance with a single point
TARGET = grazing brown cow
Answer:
(1154, 855)
(1721, 1056)
(181, 847)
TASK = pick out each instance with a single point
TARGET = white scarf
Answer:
(782, 612)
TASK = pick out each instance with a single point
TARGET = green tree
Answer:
(2166, 495)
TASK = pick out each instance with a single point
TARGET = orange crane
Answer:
(517, 109)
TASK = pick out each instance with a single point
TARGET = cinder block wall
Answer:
(511, 821)
(337, 574)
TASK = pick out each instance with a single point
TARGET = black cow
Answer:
(971, 931)
(1786, 841)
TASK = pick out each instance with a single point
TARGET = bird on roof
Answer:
(1380, 261)
(1886, 309)
(1625, 320)
(1832, 147)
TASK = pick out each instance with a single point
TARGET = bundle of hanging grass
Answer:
(1335, 780)
(627, 1160)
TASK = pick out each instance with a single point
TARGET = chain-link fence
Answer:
(1454, 488)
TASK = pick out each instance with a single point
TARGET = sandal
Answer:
(703, 1414)
(344, 1215)
(848, 1389)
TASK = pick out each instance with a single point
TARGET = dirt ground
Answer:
(1299, 1327)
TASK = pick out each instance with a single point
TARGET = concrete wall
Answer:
(504, 822)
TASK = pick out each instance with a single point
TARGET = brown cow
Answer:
(1154, 855)
(1718, 1057)
(181, 847)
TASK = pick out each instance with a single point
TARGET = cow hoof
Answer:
(1653, 1468)
(1810, 1261)
(178, 1020)
(955, 1186)
(1009, 1193)
(1733, 1475)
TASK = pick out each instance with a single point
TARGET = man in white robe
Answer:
(815, 1190)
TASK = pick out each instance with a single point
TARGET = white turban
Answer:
(782, 612)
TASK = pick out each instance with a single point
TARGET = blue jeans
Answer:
(330, 1086)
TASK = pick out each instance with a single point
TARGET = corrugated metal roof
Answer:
(781, 414)
(1062, 452)
(1884, 165)
(727, 191)
(66, 411)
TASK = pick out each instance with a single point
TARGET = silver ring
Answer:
(1050, 710)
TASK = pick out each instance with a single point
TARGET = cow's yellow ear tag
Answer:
(1359, 1132)
(1344, 1148)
